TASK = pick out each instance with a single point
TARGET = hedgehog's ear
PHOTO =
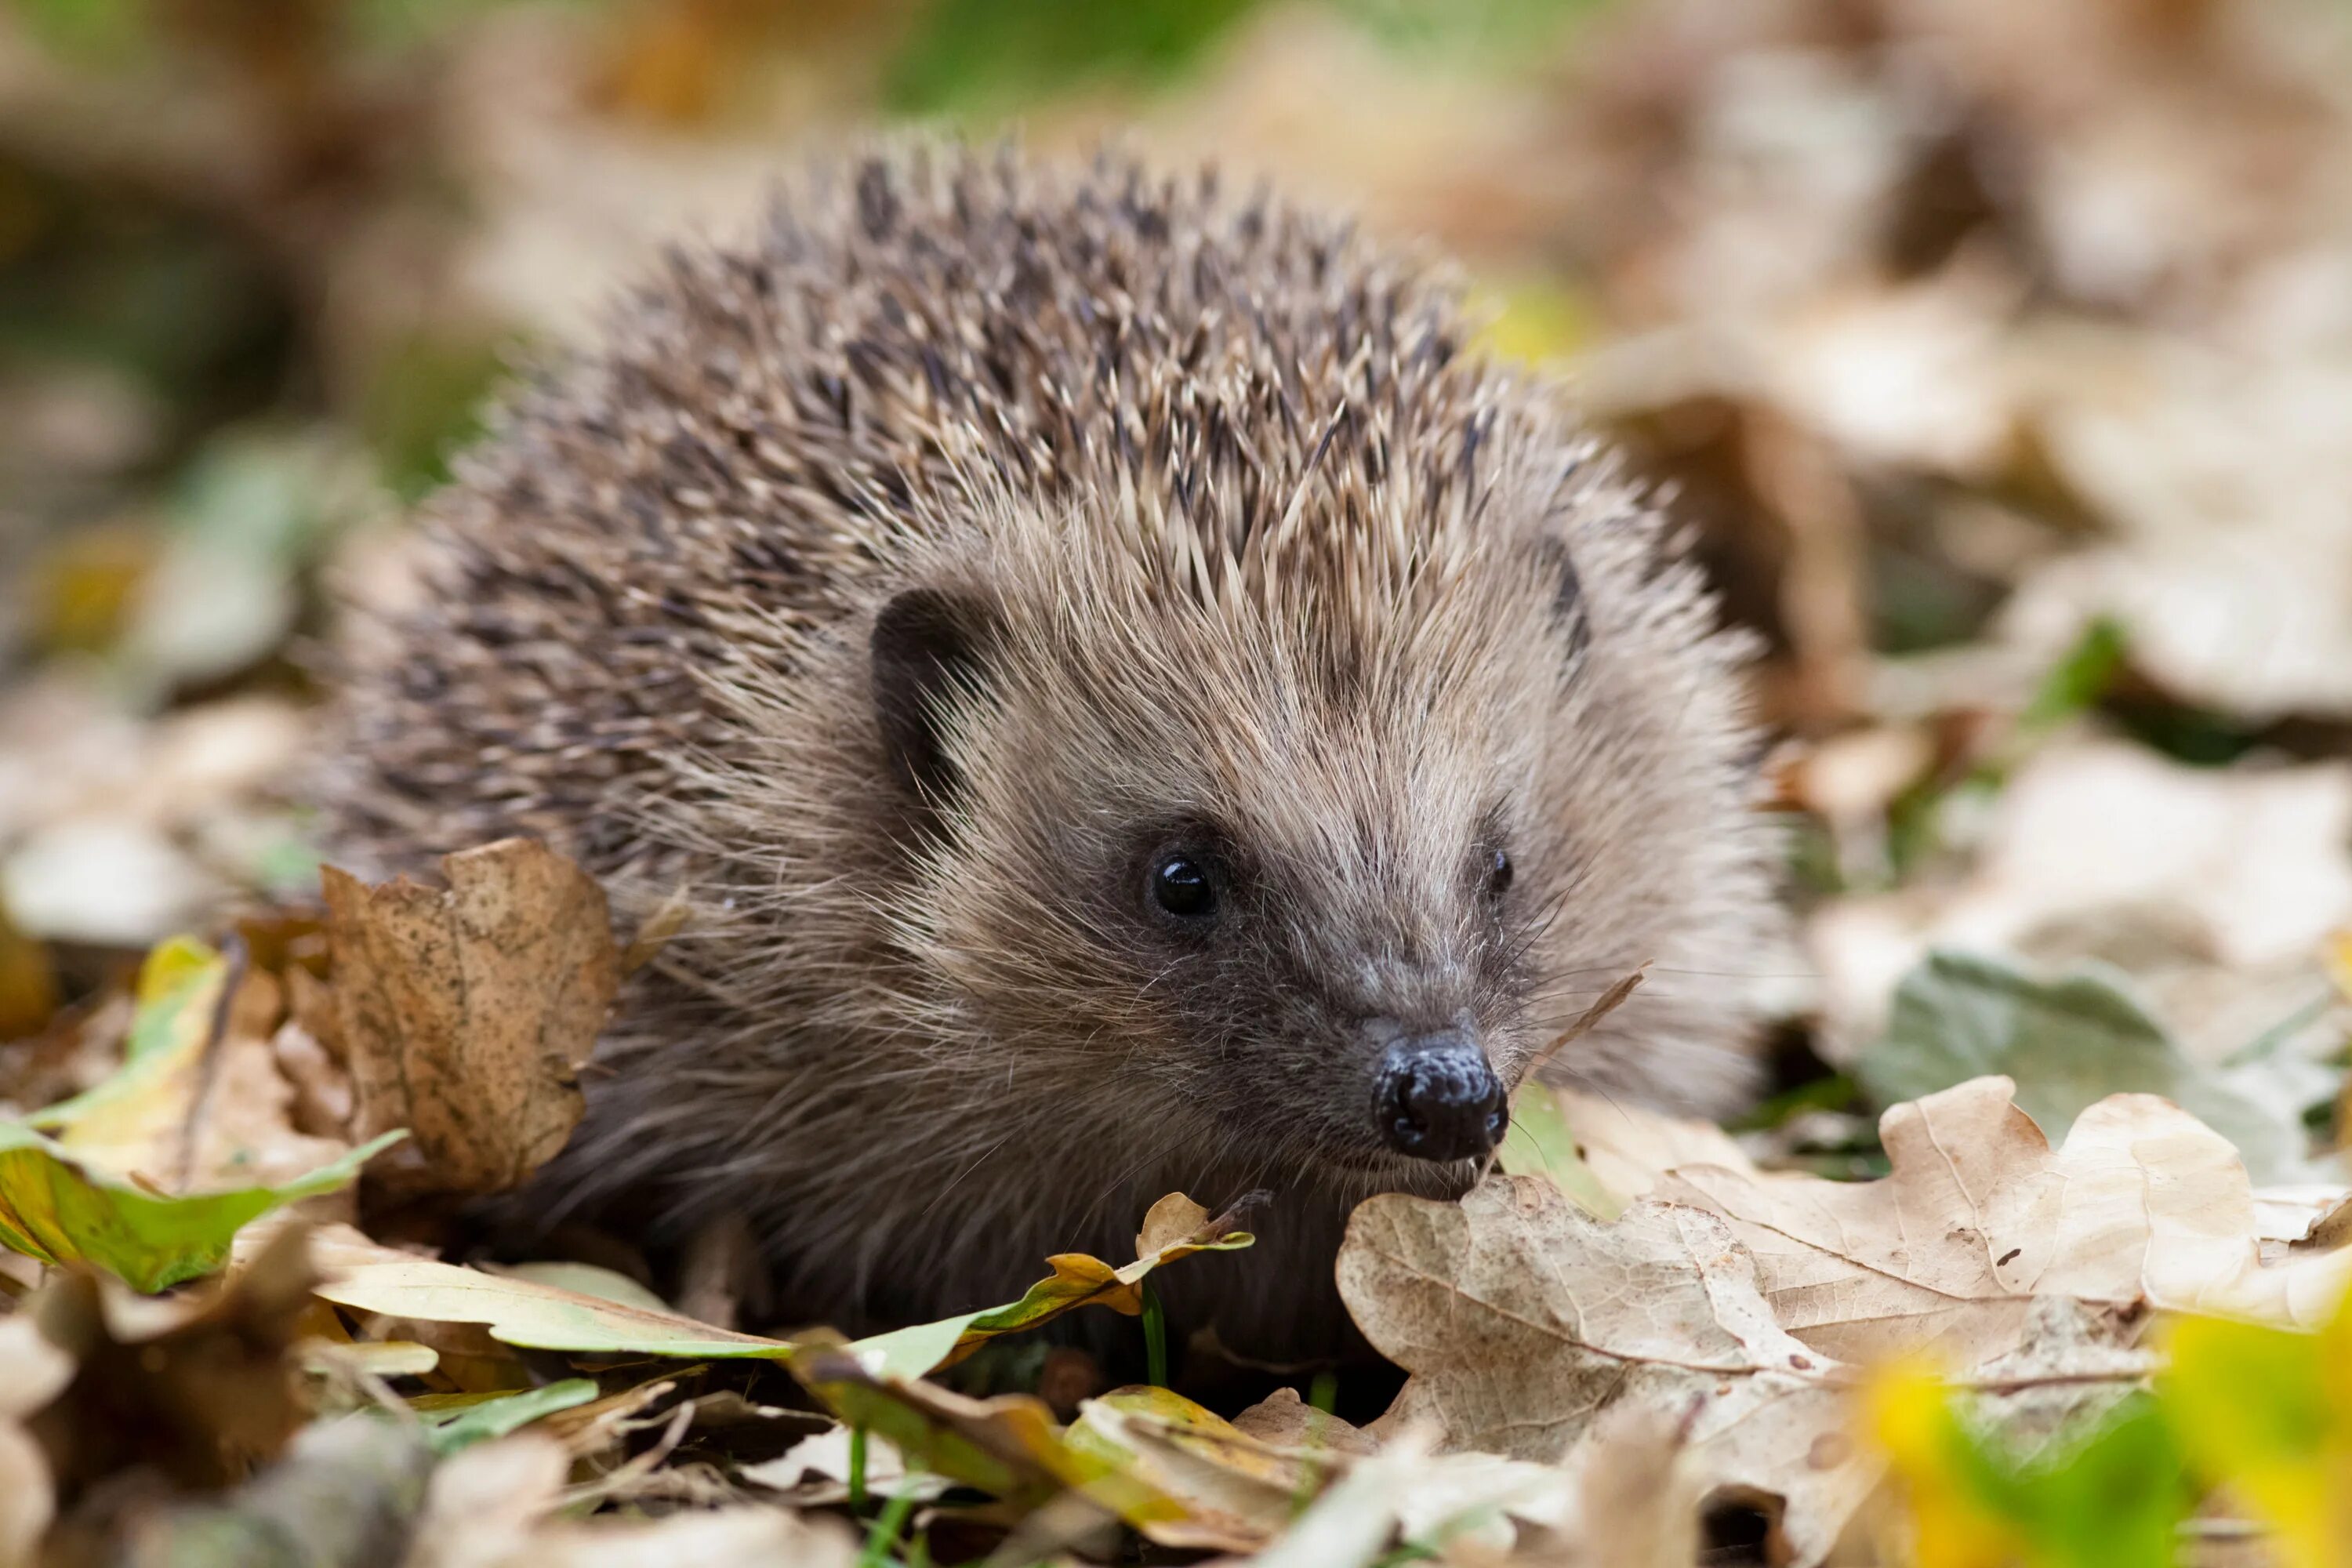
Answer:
(928, 645)
(1567, 605)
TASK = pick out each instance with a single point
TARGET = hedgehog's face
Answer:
(1276, 887)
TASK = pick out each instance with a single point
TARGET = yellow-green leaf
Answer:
(2268, 1412)
(539, 1314)
(1007, 1447)
(449, 1430)
(1176, 1227)
(179, 993)
(1907, 1414)
(1541, 1143)
(516, 1312)
(54, 1207)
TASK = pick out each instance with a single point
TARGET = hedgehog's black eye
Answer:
(1498, 874)
(1180, 886)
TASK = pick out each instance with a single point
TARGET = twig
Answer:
(208, 1063)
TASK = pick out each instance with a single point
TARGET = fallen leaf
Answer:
(466, 1013)
(198, 1104)
(1236, 1484)
(1352, 1524)
(1734, 1301)
(1007, 1447)
(2065, 1042)
(736, 1537)
(2269, 1416)
(453, 1428)
(1235, 1488)
(54, 1209)
(344, 1495)
(814, 1471)
(1521, 1318)
(1542, 1142)
(370, 1278)
(198, 1388)
(1175, 1227)
(482, 1505)
(1286, 1421)
(2214, 890)
(1979, 1213)
(1630, 1147)
(588, 1279)
(384, 1359)
(177, 1003)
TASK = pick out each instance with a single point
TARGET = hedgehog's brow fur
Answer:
(1261, 550)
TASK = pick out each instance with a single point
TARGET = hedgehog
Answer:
(1132, 702)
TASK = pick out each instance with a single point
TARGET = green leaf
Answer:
(2068, 1043)
(1541, 1143)
(478, 1421)
(1176, 1227)
(2268, 1414)
(2079, 680)
(2106, 1493)
(588, 1279)
(995, 54)
(54, 1208)
(2113, 1498)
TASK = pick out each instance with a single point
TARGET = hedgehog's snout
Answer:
(1435, 1097)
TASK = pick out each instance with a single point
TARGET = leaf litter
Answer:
(1996, 354)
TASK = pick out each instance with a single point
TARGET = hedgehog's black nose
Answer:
(1436, 1098)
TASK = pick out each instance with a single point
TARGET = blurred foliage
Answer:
(2111, 1495)
(2259, 1416)
(968, 54)
(974, 57)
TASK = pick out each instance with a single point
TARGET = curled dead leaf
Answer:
(467, 1012)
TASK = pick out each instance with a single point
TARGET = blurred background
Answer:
(1998, 353)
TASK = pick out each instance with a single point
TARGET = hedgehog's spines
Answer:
(1265, 541)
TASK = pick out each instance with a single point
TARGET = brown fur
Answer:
(1249, 552)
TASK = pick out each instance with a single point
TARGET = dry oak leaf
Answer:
(467, 1012)
(1735, 1298)
(1522, 1318)
(1980, 1215)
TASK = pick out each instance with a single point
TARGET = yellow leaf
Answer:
(128, 1124)
(2267, 1413)
(1907, 1413)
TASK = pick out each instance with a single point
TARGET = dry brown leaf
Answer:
(1286, 1421)
(2143, 1202)
(466, 1013)
(1734, 1300)
(741, 1537)
(32, 1373)
(483, 1502)
(197, 1386)
(2215, 890)
(27, 1499)
(1522, 1318)
(1630, 1147)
